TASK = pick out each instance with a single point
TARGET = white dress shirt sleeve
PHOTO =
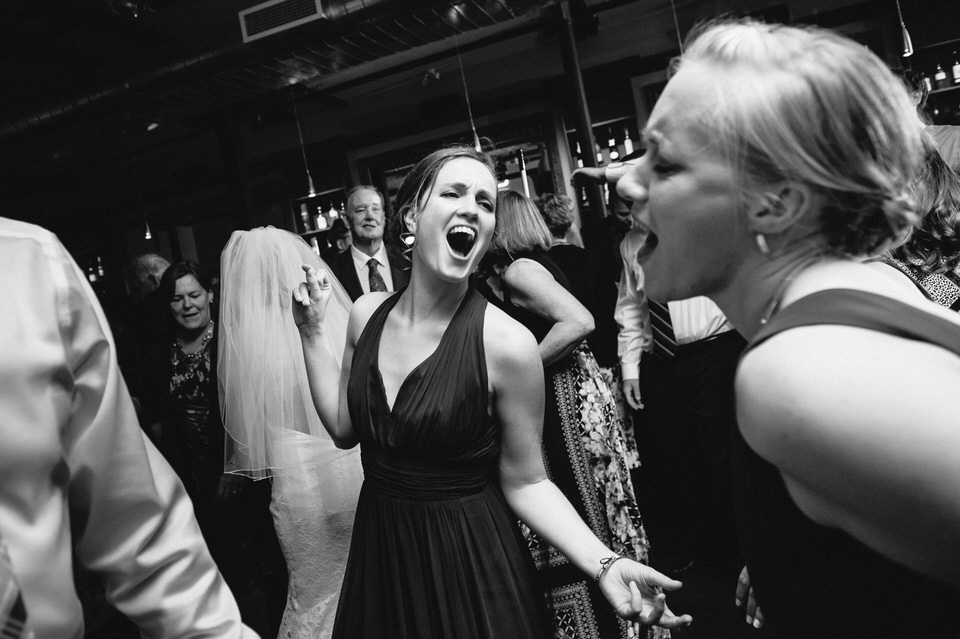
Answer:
(631, 312)
(76, 468)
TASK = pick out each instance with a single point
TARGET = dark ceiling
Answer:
(84, 76)
(95, 90)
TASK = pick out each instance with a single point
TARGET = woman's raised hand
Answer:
(636, 592)
(310, 299)
(745, 595)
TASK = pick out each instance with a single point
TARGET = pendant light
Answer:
(466, 95)
(676, 25)
(303, 151)
(907, 42)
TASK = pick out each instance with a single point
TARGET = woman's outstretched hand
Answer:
(745, 595)
(310, 300)
(636, 592)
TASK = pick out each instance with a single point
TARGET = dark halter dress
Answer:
(436, 552)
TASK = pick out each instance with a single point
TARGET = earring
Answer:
(762, 245)
(408, 240)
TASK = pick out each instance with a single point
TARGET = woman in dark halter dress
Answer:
(445, 395)
(776, 158)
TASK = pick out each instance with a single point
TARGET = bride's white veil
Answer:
(264, 394)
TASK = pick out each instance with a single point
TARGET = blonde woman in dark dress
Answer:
(777, 157)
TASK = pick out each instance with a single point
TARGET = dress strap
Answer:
(851, 307)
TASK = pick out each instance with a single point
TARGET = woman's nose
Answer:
(470, 208)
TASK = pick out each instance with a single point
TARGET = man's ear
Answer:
(777, 210)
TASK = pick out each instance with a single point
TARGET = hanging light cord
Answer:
(303, 150)
(676, 25)
(466, 95)
(147, 234)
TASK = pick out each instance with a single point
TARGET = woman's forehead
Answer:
(683, 96)
(463, 170)
(187, 282)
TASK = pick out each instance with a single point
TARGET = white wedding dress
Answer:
(313, 507)
(274, 429)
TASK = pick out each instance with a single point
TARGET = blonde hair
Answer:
(520, 227)
(808, 106)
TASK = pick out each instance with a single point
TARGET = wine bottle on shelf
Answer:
(940, 77)
(599, 153)
(956, 68)
(305, 216)
(584, 201)
(614, 152)
(579, 157)
(627, 142)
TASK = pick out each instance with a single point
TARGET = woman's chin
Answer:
(658, 284)
(192, 325)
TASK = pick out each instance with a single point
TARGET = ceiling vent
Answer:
(267, 18)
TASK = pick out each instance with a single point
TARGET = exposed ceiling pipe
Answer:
(519, 27)
(338, 13)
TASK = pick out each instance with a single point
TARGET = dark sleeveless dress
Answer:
(436, 552)
(813, 581)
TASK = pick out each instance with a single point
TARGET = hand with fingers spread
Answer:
(745, 594)
(310, 300)
(636, 592)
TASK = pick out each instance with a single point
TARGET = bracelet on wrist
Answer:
(605, 564)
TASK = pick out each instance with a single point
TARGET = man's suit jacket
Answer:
(344, 271)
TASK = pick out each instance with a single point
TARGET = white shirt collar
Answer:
(360, 260)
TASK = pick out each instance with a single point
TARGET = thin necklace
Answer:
(774, 305)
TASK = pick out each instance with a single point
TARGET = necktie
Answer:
(13, 615)
(376, 280)
(664, 341)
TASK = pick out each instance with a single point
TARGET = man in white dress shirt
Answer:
(78, 479)
(683, 390)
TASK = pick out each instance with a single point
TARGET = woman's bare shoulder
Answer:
(817, 386)
(364, 306)
(505, 337)
(524, 268)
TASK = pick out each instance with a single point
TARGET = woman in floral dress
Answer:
(180, 400)
(583, 439)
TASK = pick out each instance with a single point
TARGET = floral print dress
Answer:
(586, 456)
